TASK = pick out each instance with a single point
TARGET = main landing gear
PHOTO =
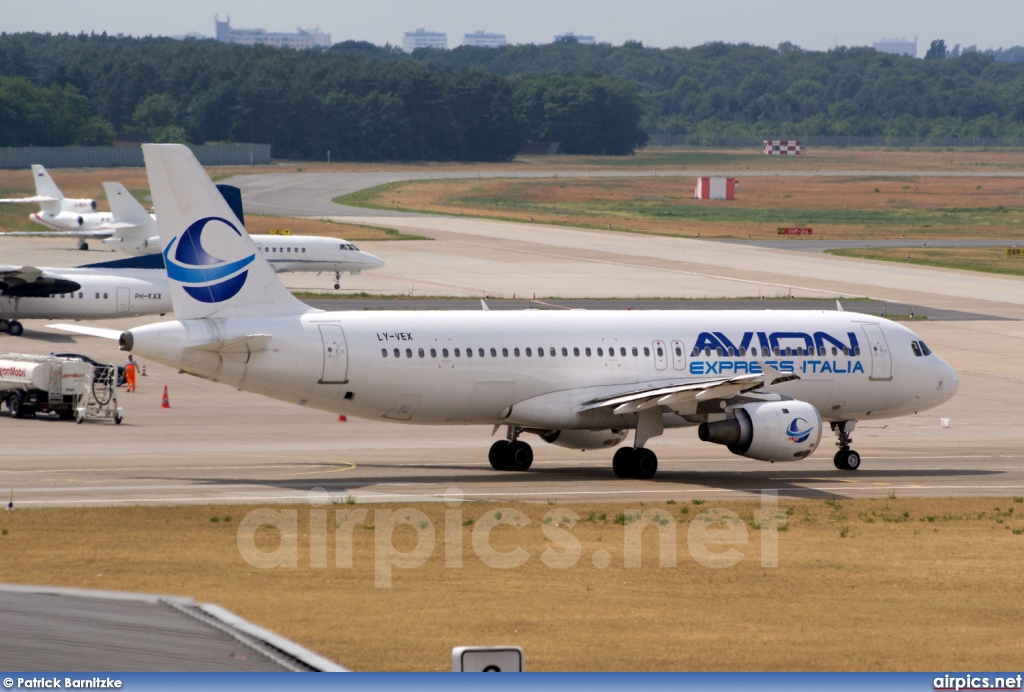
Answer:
(634, 462)
(337, 280)
(12, 326)
(845, 459)
(511, 454)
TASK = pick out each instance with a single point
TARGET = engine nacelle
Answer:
(584, 439)
(769, 431)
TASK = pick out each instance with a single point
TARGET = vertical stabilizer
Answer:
(45, 187)
(213, 267)
(126, 209)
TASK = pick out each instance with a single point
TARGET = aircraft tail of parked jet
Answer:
(212, 264)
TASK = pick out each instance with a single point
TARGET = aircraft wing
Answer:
(105, 232)
(24, 282)
(684, 397)
(28, 200)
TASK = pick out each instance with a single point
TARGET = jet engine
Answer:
(769, 431)
(584, 439)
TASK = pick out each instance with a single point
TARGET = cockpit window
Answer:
(915, 348)
(924, 349)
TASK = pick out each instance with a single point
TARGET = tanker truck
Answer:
(69, 387)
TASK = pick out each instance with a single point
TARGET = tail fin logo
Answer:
(204, 277)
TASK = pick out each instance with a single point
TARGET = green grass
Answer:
(992, 260)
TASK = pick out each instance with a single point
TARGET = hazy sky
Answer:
(811, 24)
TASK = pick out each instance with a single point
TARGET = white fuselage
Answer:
(71, 221)
(416, 367)
(103, 295)
(306, 253)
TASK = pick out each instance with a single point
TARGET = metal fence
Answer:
(734, 142)
(108, 157)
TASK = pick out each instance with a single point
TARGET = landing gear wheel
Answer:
(15, 405)
(847, 460)
(518, 456)
(84, 246)
(497, 455)
(3, 325)
(635, 463)
(510, 455)
(337, 286)
(14, 328)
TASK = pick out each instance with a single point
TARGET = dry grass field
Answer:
(885, 584)
(835, 207)
(990, 259)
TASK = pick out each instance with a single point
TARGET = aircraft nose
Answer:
(952, 381)
(372, 261)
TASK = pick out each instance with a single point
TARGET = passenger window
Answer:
(600, 351)
(420, 352)
(856, 351)
(504, 352)
(444, 352)
(694, 352)
(647, 351)
(515, 351)
(565, 351)
(576, 351)
(469, 353)
(494, 352)
(622, 350)
(915, 348)
(104, 295)
(384, 353)
(540, 352)
(408, 353)
(635, 352)
(719, 352)
(303, 249)
(551, 351)
(398, 354)
(846, 351)
(80, 295)
(457, 354)
(97, 295)
(775, 350)
(529, 352)
(661, 351)
(480, 352)
(925, 350)
(707, 351)
(835, 351)
(587, 351)
(433, 353)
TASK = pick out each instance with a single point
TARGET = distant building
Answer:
(421, 38)
(301, 39)
(483, 40)
(570, 37)
(897, 46)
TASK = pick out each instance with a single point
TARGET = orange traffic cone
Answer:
(166, 402)
(143, 371)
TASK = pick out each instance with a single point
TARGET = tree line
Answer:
(355, 102)
(728, 89)
(369, 103)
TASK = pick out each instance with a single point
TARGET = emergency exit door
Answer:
(335, 369)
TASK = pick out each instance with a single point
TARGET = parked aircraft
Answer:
(74, 218)
(762, 383)
(137, 235)
(99, 291)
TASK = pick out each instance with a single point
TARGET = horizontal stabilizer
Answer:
(88, 331)
(155, 261)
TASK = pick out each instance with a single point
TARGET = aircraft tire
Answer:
(15, 328)
(621, 462)
(847, 460)
(518, 456)
(645, 463)
(498, 455)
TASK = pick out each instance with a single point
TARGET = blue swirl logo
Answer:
(204, 277)
(797, 435)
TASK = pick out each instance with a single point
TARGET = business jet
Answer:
(137, 235)
(764, 384)
(66, 217)
(98, 291)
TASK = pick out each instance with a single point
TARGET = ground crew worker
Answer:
(129, 373)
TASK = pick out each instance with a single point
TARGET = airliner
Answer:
(763, 384)
(76, 218)
(99, 291)
(137, 235)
